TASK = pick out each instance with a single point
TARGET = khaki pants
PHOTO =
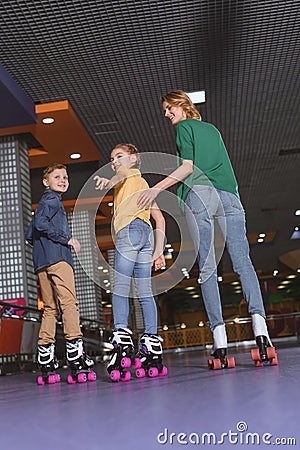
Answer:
(59, 297)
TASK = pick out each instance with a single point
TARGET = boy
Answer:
(51, 239)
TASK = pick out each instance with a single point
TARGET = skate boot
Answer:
(149, 357)
(80, 363)
(265, 354)
(122, 355)
(48, 364)
(219, 351)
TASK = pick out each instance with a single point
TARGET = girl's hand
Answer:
(75, 244)
(158, 262)
(102, 183)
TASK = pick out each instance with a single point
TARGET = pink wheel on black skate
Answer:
(71, 380)
(115, 375)
(40, 381)
(81, 378)
(140, 373)
(215, 364)
(230, 362)
(51, 379)
(274, 361)
(153, 372)
(137, 363)
(92, 376)
(255, 355)
(125, 362)
(57, 377)
(126, 376)
(271, 352)
(163, 372)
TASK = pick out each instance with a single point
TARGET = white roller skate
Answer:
(219, 351)
(265, 354)
(122, 356)
(149, 357)
(80, 363)
(48, 364)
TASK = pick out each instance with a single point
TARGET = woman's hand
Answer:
(102, 183)
(146, 199)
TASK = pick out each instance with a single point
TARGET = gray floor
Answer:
(241, 407)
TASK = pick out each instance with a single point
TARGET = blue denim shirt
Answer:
(49, 232)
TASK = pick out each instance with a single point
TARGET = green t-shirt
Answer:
(202, 143)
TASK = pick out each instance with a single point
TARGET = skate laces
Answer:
(74, 349)
(45, 353)
(151, 343)
(122, 336)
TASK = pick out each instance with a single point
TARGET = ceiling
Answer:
(111, 60)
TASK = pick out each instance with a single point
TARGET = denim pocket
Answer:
(199, 199)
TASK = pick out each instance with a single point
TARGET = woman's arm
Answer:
(183, 171)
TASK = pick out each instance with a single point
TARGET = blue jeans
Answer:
(133, 256)
(211, 213)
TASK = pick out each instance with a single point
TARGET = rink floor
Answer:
(193, 407)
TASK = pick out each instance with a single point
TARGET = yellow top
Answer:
(125, 199)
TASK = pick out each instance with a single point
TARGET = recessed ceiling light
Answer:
(197, 96)
(262, 235)
(109, 203)
(48, 120)
(260, 240)
(297, 212)
(75, 155)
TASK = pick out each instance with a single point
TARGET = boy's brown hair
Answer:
(51, 168)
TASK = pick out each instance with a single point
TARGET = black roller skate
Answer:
(80, 363)
(122, 355)
(48, 364)
(149, 357)
(220, 360)
(265, 354)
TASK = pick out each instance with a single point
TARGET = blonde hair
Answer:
(51, 168)
(180, 98)
(132, 150)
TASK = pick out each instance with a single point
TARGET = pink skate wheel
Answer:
(210, 363)
(51, 379)
(71, 380)
(126, 376)
(40, 381)
(125, 362)
(153, 372)
(137, 363)
(271, 353)
(115, 375)
(140, 373)
(57, 377)
(230, 362)
(81, 378)
(216, 364)
(255, 355)
(92, 376)
(274, 361)
(163, 372)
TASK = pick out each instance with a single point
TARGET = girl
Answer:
(133, 255)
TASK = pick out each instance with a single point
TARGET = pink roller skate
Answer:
(265, 354)
(80, 363)
(220, 359)
(48, 364)
(149, 357)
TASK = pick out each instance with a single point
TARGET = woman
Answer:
(210, 193)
